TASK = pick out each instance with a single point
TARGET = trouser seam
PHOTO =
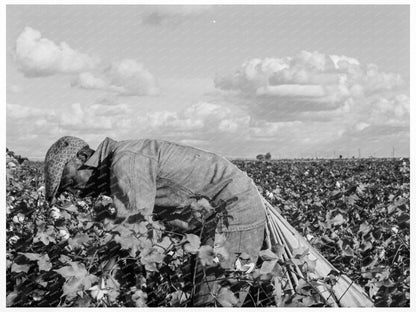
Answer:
(238, 228)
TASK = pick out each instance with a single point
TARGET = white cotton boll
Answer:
(82, 203)
(19, 218)
(64, 234)
(55, 213)
(14, 239)
(338, 185)
(11, 165)
(309, 237)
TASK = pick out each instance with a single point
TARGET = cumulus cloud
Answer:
(198, 119)
(31, 130)
(38, 56)
(310, 80)
(161, 14)
(25, 126)
(16, 111)
(92, 118)
(200, 123)
(126, 78)
(393, 111)
(311, 99)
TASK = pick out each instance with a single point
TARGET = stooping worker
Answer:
(141, 174)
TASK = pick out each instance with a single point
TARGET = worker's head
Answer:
(64, 169)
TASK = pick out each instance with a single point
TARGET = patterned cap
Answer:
(56, 158)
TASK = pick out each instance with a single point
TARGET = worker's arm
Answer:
(133, 183)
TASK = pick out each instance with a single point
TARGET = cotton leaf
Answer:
(42, 260)
(75, 284)
(113, 288)
(247, 268)
(347, 251)
(268, 266)
(206, 255)
(129, 242)
(74, 269)
(31, 256)
(164, 245)
(44, 263)
(150, 257)
(178, 297)
(267, 255)
(222, 254)
(98, 291)
(194, 242)
(226, 298)
(310, 264)
(78, 240)
(278, 291)
(364, 228)
(46, 237)
(64, 259)
(139, 298)
(308, 301)
(20, 268)
(278, 250)
(337, 220)
(77, 278)
(70, 207)
(352, 199)
(361, 188)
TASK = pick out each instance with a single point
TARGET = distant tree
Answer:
(268, 156)
(260, 157)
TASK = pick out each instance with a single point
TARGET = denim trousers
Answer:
(235, 243)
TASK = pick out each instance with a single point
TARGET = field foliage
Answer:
(355, 212)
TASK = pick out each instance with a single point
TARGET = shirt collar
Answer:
(103, 151)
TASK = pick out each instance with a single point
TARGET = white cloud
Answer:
(394, 111)
(92, 118)
(87, 80)
(16, 111)
(199, 119)
(26, 126)
(37, 56)
(292, 91)
(309, 81)
(126, 78)
(311, 99)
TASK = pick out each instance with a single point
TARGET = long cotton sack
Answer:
(345, 292)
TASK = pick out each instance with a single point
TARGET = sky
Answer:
(238, 80)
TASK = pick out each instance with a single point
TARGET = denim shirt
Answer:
(146, 172)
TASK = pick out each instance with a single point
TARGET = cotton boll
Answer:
(64, 234)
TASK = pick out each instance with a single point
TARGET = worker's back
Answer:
(184, 171)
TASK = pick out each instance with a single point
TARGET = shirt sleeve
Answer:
(133, 183)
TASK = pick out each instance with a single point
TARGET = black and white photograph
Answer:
(207, 155)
